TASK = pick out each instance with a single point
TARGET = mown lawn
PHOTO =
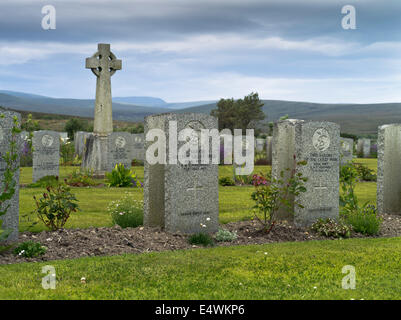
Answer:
(235, 202)
(295, 270)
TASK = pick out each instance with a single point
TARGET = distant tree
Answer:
(239, 114)
(284, 117)
(73, 125)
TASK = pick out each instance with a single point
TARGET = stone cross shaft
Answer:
(103, 64)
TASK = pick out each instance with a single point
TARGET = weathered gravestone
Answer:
(46, 154)
(80, 141)
(346, 149)
(363, 148)
(269, 149)
(318, 144)
(389, 169)
(138, 150)
(181, 197)
(10, 220)
(103, 65)
(120, 149)
(260, 145)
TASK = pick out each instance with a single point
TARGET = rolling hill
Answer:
(353, 118)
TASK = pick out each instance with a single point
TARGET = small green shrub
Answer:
(80, 178)
(224, 235)
(364, 220)
(44, 182)
(30, 249)
(56, 206)
(364, 173)
(126, 212)
(331, 228)
(67, 151)
(122, 177)
(201, 239)
(226, 181)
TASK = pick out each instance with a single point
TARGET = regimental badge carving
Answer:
(47, 141)
(321, 139)
(120, 142)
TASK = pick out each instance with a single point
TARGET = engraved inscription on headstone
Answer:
(46, 154)
(318, 144)
(120, 149)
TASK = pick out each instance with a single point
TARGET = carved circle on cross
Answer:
(321, 139)
(97, 55)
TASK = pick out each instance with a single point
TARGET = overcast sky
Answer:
(207, 49)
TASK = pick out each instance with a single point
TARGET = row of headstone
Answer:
(116, 147)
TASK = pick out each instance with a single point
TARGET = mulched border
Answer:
(106, 241)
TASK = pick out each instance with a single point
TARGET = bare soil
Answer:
(75, 243)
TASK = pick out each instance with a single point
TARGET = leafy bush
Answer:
(56, 206)
(330, 228)
(364, 220)
(348, 179)
(201, 239)
(30, 249)
(226, 181)
(122, 177)
(67, 151)
(80, 178)
(44, 182)
(273, 193)
(224, 235)
(126, 212)
(365, 173)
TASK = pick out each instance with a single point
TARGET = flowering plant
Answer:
(272, 193)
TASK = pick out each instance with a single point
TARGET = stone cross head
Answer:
(103, 62)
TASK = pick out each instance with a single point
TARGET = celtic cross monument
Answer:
(103, 64)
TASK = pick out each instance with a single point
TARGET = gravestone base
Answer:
(95, 155)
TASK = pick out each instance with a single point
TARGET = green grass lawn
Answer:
(235, 202)
(293, 270)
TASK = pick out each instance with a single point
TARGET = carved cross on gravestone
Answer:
(103, 64)
(195, 189)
